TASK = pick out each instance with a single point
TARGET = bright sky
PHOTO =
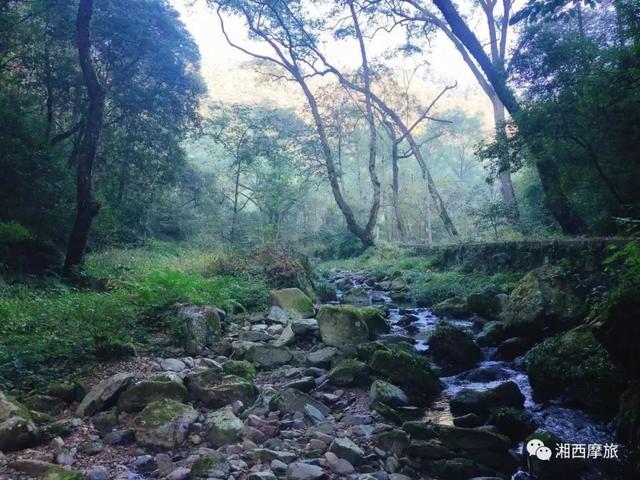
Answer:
(231, 79)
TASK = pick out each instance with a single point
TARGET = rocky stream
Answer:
(364, 387)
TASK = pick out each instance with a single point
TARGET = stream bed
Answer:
(415, 325)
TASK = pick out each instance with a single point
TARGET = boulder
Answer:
(453, 349)
(454, 307)
(471, 439)
(105, 394)
(17, 429)
(138, 396)
(342, 326)
(615, 324)
(409, 371)
(481, 402)
(487, 374)
(45, 404)
(376, 322)
(470, 420)
(215, 390)
(388, 394)
(67, 391)
(574, 366)
(294, 302)
(512, 348)
(486, 302)
(223, 427)
(349, 373)
(164, 423)
(428, 450)
(268, 356)
(492, 333)
(202, 326)
(542, 303)
(290, 400)
(515, 424)
(286, 337)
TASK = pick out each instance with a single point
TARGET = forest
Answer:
(319, 239)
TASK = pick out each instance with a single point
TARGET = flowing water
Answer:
(415, 325)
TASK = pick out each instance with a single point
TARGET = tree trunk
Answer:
(236, 193)
(363, 235)
(504, 175)
(395, 194)
(86, 205)
(556, 201)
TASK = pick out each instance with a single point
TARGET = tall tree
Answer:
(86, 205)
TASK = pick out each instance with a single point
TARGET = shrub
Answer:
(14, 232)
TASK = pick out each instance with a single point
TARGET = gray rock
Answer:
(323, 357)
(314, 415)
(223, 427)
(304, 471)
(278, 467)
(291, 400)
(268, 356)
(304, 326)
(138, 396)
(265, 455)
(287, 337)
(180, 473)
(347, 449)
(172, 364)
(202, 326)
(164, 423)
(278, 315)
(17, 429)
(388, 394)
(342, 326)
(98, 473)
(294, 302)
(264, 475)
(105, 394)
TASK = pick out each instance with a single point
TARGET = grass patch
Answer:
(48, 328)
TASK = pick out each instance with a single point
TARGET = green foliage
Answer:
(47, 327)
(14, 232)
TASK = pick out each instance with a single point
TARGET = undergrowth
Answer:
(48, 328)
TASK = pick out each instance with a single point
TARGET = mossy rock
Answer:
(388, 394)
(294, 302)
(376, 322)
(552, 469)
(574, 366)
(61, 473)
(164, 423)
(364, 352)
(138, 396)
(482, 402)
(350, 373)
(223, 427)
(492, 334)
(239, 368)
(268, 356)
(67, 391)
(408, 370)
(486, 302)
(453, 349)
(201, 326)
(515, 424)
(292, 400)
(627, 423)
(17, 428)
(210, 465)
(454, 307)
(393, 441)
(45, 404)
(543, 302)
(342, 326)
(215, 390)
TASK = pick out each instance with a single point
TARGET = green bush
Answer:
(14, 232)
